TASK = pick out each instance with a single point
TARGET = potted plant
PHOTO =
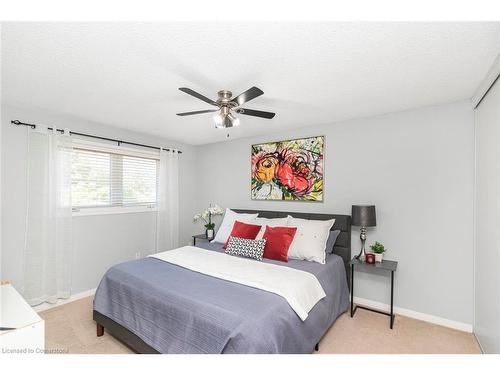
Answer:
(379, 251)
(206, 216)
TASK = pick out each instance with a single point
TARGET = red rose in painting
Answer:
(294, 172)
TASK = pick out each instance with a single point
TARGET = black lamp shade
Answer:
(364, 216)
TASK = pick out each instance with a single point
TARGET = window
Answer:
(112, 179)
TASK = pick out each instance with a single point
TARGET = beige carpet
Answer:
(70, 328)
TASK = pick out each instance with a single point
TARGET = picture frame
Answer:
(288, 170)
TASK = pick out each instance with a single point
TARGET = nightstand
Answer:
(202, 237)
(384, 267)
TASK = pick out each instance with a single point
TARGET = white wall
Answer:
(487, 252)
(99, 241)
(416, 166)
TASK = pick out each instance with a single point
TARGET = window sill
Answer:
(112, 210)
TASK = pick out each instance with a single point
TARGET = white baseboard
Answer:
(74, 297)
(415, 315)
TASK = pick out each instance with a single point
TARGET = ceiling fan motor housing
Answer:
(225, 99)
(225, 95)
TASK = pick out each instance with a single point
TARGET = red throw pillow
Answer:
(243, 230)
(278, 241)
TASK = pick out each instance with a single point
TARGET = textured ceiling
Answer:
(127, 74)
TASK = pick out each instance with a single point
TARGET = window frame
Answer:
(114, 149)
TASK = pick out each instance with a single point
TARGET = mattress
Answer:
(175, 310)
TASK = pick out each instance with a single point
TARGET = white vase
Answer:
(379, 257)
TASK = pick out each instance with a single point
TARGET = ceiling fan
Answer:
(227, 106)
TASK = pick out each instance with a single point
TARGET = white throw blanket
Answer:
(300, 289)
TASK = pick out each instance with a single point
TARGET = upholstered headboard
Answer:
(342, 222)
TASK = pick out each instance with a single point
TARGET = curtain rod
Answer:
(120, 142)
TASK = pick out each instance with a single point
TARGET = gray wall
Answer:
(487, 252)
(416, 166)
(99, 241)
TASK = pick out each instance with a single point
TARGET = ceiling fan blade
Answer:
(196, 112)
(248, 95)
(253, 112)
(197, 95)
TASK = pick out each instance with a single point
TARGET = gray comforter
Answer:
(175, 310)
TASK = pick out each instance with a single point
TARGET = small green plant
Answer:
(377, 248)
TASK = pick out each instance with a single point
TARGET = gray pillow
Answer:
(332, 238)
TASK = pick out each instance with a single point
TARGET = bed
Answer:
(153, 306)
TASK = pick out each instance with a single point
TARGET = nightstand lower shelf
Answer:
(387, 266)
(392, 315)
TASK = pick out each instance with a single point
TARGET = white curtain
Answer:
(167, 221)
(48, 245)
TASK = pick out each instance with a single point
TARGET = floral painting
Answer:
(288, 170)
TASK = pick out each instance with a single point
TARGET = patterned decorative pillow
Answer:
(246, 248)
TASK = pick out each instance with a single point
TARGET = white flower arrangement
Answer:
(206, 215)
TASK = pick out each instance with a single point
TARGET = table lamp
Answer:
(363, 216)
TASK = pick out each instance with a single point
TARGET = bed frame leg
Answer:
(100, 330)
(316, 348)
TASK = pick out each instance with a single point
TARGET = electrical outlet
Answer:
(138, 255)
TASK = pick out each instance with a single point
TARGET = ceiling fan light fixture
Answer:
(225, 119)
(219, 120)
(235, 121)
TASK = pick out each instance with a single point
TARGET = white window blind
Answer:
(103, 178)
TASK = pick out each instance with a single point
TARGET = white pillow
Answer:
(262, 221)
(228, 222)
(310, 239)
